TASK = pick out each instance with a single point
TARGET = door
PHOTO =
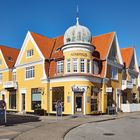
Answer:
(78, 103)
(118, 102)
(23, 102)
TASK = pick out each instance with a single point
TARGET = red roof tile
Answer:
(127, 54)
(9, 53)
(49, 46)
(102, 43)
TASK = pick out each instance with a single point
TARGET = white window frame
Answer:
(114, 73)
(88, 66)
(82, 65)
(68, 64)
(75, 65)
(133, 79)
(30, 72)
(60, 67)
(29, 53)
(95, 67)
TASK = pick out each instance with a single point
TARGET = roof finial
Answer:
(77, 16)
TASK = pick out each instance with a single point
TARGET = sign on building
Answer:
(109, 89)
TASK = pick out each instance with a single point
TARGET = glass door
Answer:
(78, 103)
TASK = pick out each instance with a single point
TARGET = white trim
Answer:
(33, 63)
(76, 49)
(72, 102)
(69, 78)
(136, 61)
(118, 53)
(4, 70)
(118, 50)
(27, 38)
(117, 65)
(3, 58)
(75, 46)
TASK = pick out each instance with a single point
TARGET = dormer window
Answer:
(60, 66)
(30, 53)
(114, 73)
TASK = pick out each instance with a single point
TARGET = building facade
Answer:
(87, 74)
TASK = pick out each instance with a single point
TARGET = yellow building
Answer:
(8, 84)
(81, 71)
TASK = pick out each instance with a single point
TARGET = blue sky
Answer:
(52, 17)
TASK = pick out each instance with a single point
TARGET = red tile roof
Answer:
(127, 54)
(102, 43)
(48, 47)
(9, 53)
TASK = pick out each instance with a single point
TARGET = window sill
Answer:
(114, 79)
(26, 79)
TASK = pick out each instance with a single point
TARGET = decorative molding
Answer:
(33, 63)
(75, 46)
(73, 78)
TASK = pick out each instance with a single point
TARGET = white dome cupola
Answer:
(77, 34)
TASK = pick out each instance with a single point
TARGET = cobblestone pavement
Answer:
(51, 129)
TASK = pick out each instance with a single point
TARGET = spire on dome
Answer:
(77, 16)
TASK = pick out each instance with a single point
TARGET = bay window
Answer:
(75, 64)
(60, 66)
(82, 65)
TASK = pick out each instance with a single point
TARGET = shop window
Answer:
(75, 65)
(94, 99)
(12, 100)
(60, 66)
(30, 72)
(82, 65)
(114, 73)
(68, 65)
(57, 95)
(35, 98)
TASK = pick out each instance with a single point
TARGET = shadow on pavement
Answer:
(13, 119)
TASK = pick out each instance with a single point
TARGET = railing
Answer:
(126, 84)
(10, 84)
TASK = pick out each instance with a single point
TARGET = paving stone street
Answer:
(47, 127)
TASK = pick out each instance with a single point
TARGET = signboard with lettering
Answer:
(109, 89)
(79, 54)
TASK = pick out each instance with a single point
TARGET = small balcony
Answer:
(10, 84)
(126, 85)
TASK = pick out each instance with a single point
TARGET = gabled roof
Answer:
(9, 53)
(127, 54)
(103, 43)
(49, 46)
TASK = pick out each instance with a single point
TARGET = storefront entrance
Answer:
(78, 103)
